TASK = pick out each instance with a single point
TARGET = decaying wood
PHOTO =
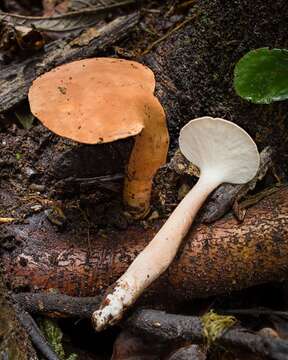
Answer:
(15, 79)
(14, 343)
(214, 259)
(172, 328)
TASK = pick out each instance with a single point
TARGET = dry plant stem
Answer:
(53, 23)
(155, 258)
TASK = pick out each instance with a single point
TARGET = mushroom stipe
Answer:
(224, 153)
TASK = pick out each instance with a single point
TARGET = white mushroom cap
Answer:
(221, 149)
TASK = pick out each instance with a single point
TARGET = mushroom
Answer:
(225, 153)
(101, 100)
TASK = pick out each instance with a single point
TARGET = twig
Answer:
(100, 179)
(38, 340)
(152, 323)
(170, 327)
(57, 305)
(176, 28)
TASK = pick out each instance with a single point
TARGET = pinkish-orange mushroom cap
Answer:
(101, 100)
(89, 101)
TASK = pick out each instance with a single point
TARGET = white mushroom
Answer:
(225, 153)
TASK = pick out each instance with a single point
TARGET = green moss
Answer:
(214, 325)
(54, 336)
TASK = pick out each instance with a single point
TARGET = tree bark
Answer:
(214, 259)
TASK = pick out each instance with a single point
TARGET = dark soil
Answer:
(199, 62)
(194, 69)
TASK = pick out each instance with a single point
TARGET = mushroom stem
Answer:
(148, 155)
(156, 257)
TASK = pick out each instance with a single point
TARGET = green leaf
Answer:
(18, 156)
(261, 76)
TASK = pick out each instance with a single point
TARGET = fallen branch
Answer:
(171, 328)
(16, 78)
(214, 258)
(57, 305)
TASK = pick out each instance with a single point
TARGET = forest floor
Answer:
(73, 191)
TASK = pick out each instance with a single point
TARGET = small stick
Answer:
(155, 43)
(57, 305)
(38, 340)
(170, 327)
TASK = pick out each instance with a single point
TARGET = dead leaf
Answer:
(13, 38)
(74, 5)
(71, 21)
(7, 36)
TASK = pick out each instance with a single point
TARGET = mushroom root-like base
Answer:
(137, 194)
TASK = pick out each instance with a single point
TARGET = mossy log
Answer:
(214, 259)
